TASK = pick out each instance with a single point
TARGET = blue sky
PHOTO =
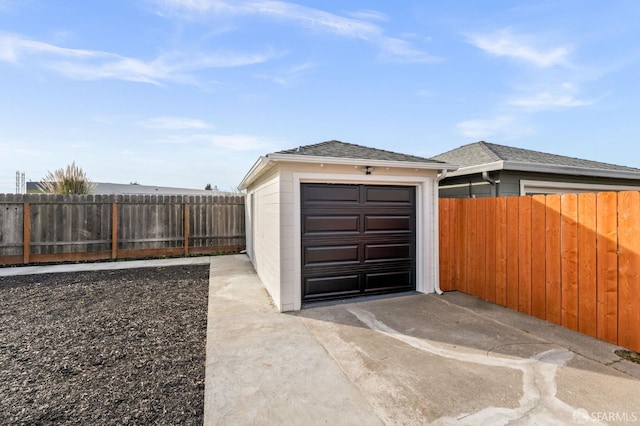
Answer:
(188, 92)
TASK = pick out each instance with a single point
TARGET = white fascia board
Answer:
(522, 166)
(261, 164)
(487, 167)
(569, 170)
(253, 172)
(299, 158)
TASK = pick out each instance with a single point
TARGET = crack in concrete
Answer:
(538, 404)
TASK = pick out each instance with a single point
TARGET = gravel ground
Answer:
(108, 347)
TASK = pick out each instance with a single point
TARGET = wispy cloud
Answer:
(504, 127)
(223, 142)
(524, 48)
(356, 26)
(172, 123)
(368, 15)
(545, 100)
(11, 5)
(85, 64)
(288, 76)
(565, 95)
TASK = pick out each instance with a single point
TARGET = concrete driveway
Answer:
(410, 360)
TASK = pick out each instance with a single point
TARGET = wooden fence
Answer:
(55, 228)
(573, 260)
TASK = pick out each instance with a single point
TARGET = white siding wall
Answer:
(265, 247)
(292, 174)
(274, 228)
(287, 241)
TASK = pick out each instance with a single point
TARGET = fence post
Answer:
(26, 234)
(114, 230)
(185, 226)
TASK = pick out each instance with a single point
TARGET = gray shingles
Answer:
(348, 150)
(483, 153)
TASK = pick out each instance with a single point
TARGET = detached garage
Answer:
(335, 220)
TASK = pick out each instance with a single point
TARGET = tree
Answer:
(71, 180)
(207, 187)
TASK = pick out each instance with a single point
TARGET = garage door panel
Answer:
(324, 255)
(388, 223)
(355, 245)
(344, 194)
(387, 252)
(328, 224)
(389, 281)
(332, 286)
(389, 195)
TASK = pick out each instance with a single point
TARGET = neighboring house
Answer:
(103, 188)
(489, 170)
(335, 220)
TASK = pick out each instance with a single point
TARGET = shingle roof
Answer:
(348, 150)
(479, 153)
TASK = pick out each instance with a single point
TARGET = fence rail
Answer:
(37, 228)
(571, 259)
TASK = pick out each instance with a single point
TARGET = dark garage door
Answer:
(357, 240)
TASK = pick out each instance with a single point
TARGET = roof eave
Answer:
(469, 170)
(570, 170)
(523, 166)
(253, 173)
(264, 162)
(312, 159)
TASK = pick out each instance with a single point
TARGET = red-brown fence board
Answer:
(538, 288)
(607, 271)
(490, 251)
(553, 263)
(472, 249)
(454, 273)
(501, 251)
(629, 270)
(587, 274)
(443, 242)
(463, 249)
(524, 255)
(573, 260)
(569, 254)
(481, 249)
(512, 253)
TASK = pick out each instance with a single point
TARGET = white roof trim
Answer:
(263, 162)
(524, 166)
(253, 172)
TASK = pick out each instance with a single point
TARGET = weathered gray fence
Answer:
(55, 228)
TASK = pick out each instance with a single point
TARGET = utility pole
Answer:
(20, 183)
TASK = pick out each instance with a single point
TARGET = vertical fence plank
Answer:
(607, 270)
(481, 249)
(553, 264)
(454, 209)
(512, 253)
(444, 220)
(569, 241)
(26, 233)
(186, 228)
(472, 252)
(114, 230)
(463, 239)
(524, 255)
(587, 273)
(490, 249)
(501, 251)
(538, 256)
(629, 270)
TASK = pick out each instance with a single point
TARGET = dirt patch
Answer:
(107, 347)
(628, 355)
